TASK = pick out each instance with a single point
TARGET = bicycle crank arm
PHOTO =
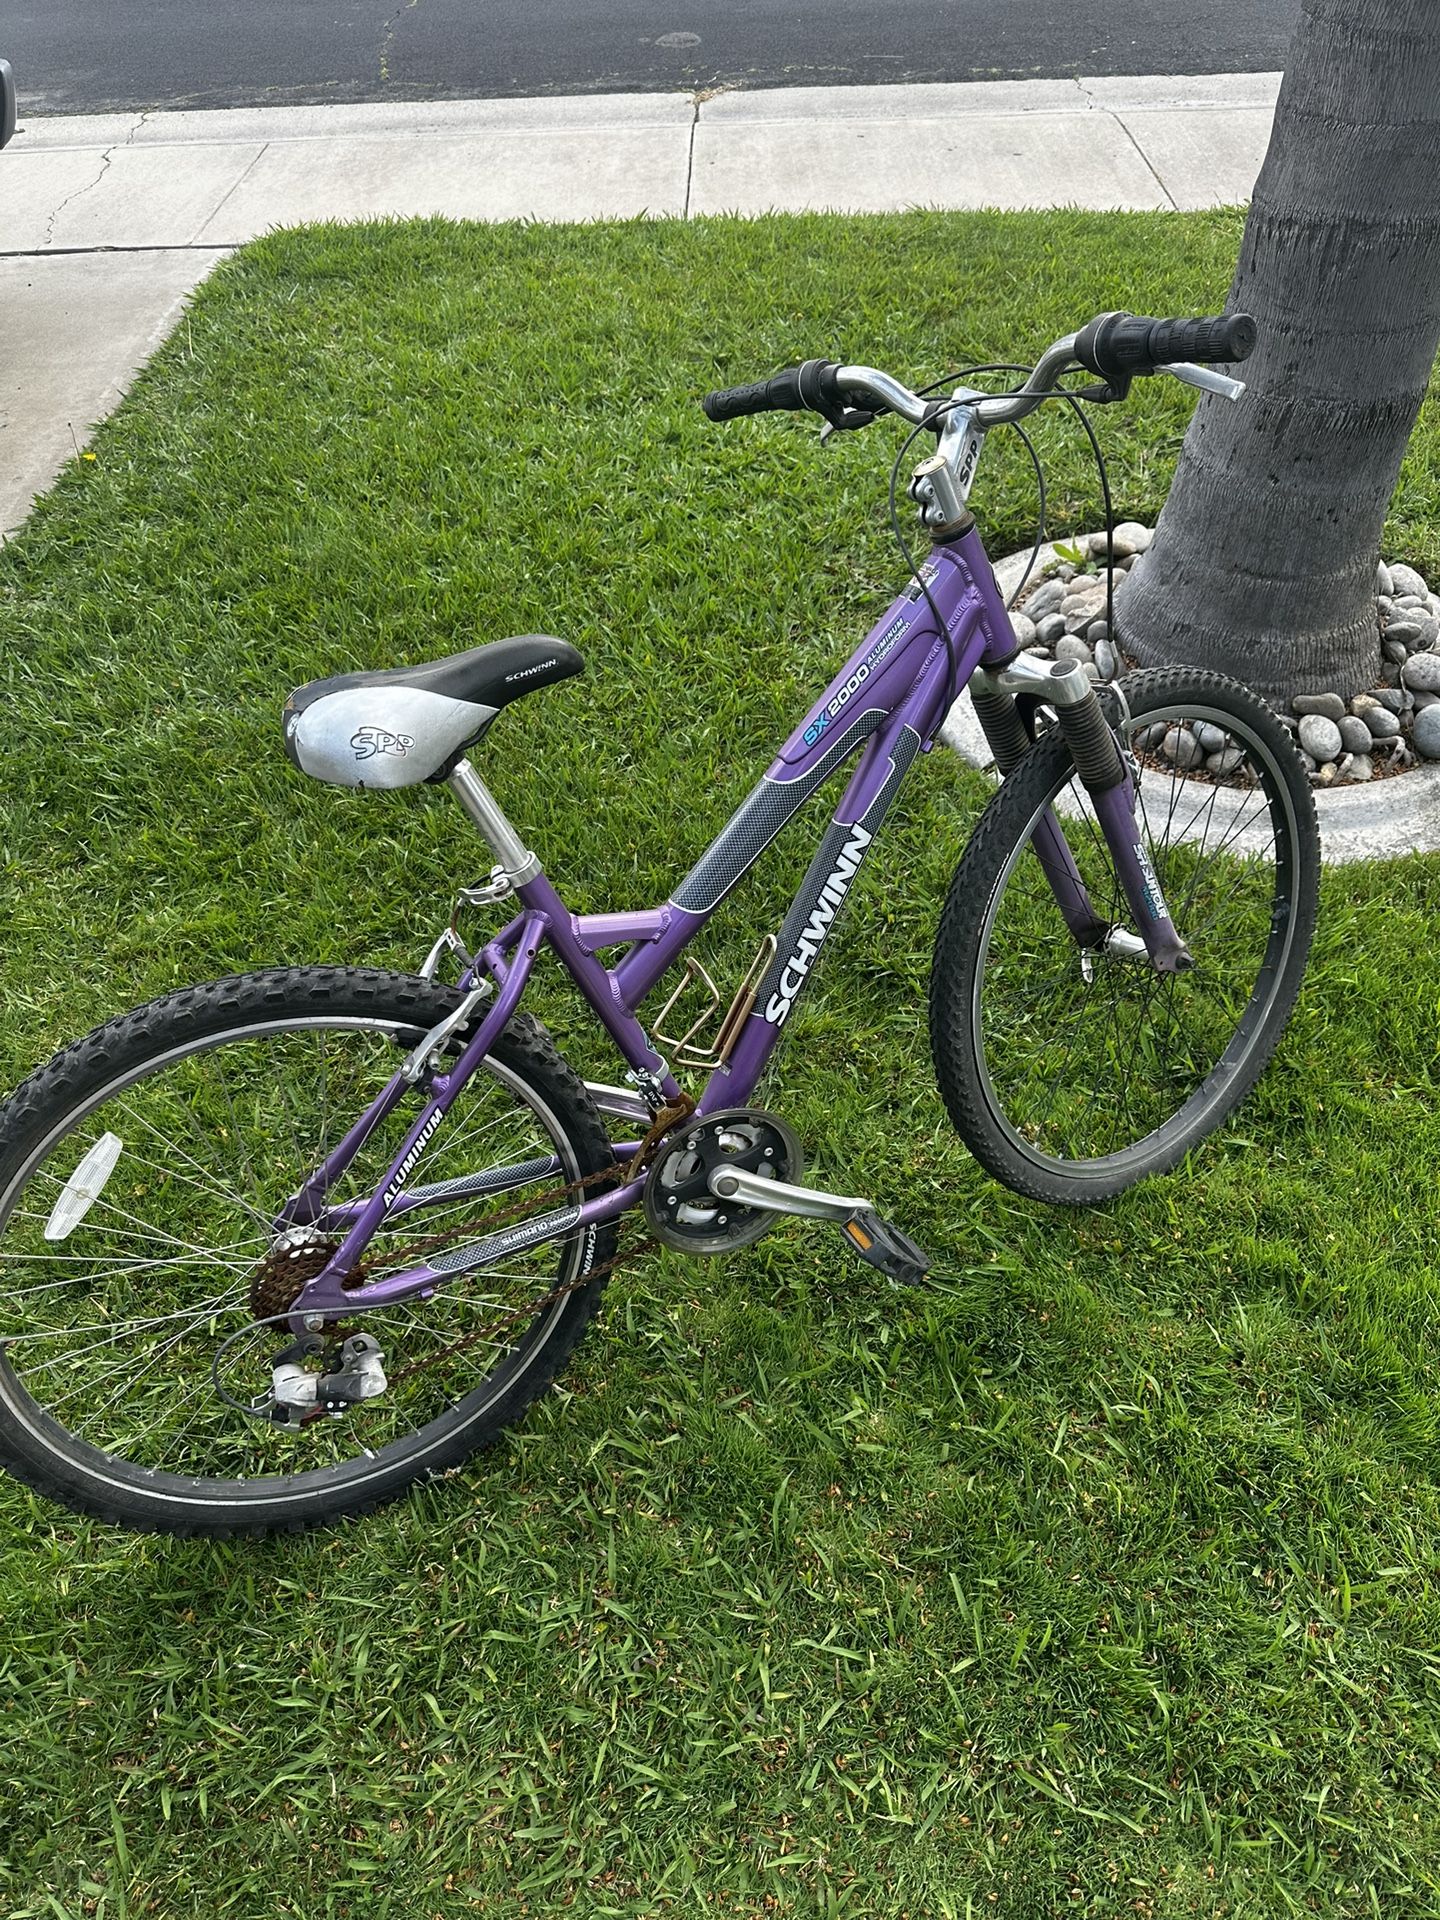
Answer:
(875, 1240)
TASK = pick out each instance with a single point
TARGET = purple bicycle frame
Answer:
(887, 703)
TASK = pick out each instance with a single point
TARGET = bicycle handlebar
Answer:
(1114, 346)
(1117, 345)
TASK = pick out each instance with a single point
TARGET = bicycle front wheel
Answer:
(1072, 1073)
(144, 1277)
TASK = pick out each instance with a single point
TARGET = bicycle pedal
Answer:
(881, 1245)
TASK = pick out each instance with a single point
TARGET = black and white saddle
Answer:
(398, 728)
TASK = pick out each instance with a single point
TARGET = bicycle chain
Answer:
(668, 1117)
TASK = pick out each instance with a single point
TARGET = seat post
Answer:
(485, 811)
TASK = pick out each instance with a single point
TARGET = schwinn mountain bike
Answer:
(275, 1247)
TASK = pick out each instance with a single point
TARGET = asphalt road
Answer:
(85, 56)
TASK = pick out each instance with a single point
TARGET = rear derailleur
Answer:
(313, 1377)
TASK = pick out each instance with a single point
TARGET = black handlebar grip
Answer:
(1117, 345)
(809, 388)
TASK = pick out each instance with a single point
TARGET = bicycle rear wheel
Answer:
(141, 1175)
(1071, 1075)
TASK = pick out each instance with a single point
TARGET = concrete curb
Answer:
(1380, 820)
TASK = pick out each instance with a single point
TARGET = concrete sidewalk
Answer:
(173, 191)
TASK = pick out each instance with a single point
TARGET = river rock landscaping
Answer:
(1062, 616)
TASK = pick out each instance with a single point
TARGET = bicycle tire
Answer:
(1005, 1130)
(125, 1061)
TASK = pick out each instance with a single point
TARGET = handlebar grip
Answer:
(809, 388)
(1117, 345)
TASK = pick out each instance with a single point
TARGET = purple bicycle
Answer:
(276, 1247)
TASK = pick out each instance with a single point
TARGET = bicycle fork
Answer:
(1107, 778)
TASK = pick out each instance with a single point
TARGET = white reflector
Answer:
(84, 1187)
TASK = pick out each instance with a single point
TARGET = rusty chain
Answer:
(669, 1116)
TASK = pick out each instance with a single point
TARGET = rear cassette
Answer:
(682, 1211)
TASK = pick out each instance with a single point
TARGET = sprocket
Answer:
(290, 1265)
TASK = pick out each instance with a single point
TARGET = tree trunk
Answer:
(1263, 562)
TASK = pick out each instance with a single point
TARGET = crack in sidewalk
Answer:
(1097, 106)
(90, 185)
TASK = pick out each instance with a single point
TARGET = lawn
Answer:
(1102, 1579)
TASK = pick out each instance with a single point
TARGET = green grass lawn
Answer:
(1103, 1581)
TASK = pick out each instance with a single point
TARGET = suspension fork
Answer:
(1106, 776)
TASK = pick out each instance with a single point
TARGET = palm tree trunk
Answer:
(1263, 562)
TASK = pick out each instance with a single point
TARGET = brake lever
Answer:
(1206, 379)
(846, 420)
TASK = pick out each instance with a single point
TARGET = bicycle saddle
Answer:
(410, 724)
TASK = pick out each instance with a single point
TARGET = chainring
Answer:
(681, 1210)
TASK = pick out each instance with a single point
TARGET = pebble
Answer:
(1213, 739)
(1098, 546)
(1049, 629)
(1422, 673)
(1130, 538)
(1091, 672)
(1427, 732)
(1391, 698)
(1354, 733)
(1180, 745)
(1096, 631)
(1090, 601)
(1404, 632)
(1406, 580)
(1429, 632)
(1361, 767)
(1383, 581)
(1423, 700)
(1320, 737)
(1023, 629)
(1045, 599)
(1325, 773)
(1105, 659)
(1329, 705)
(1381, 723)
(1227, 760)
(1072, 649)
(1389, 675)
(1065, 571)
(1395, 650)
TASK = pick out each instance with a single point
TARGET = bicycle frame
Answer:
(887, 703)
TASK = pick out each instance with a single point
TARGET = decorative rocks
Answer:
(1130, 538)
(1328, 704)
(1321, 738)
(1373, 735)
(1072, 649)
(1407, 580)
(1182, 747)
(1049, 629)
(1044, 599)
(1421, 673)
